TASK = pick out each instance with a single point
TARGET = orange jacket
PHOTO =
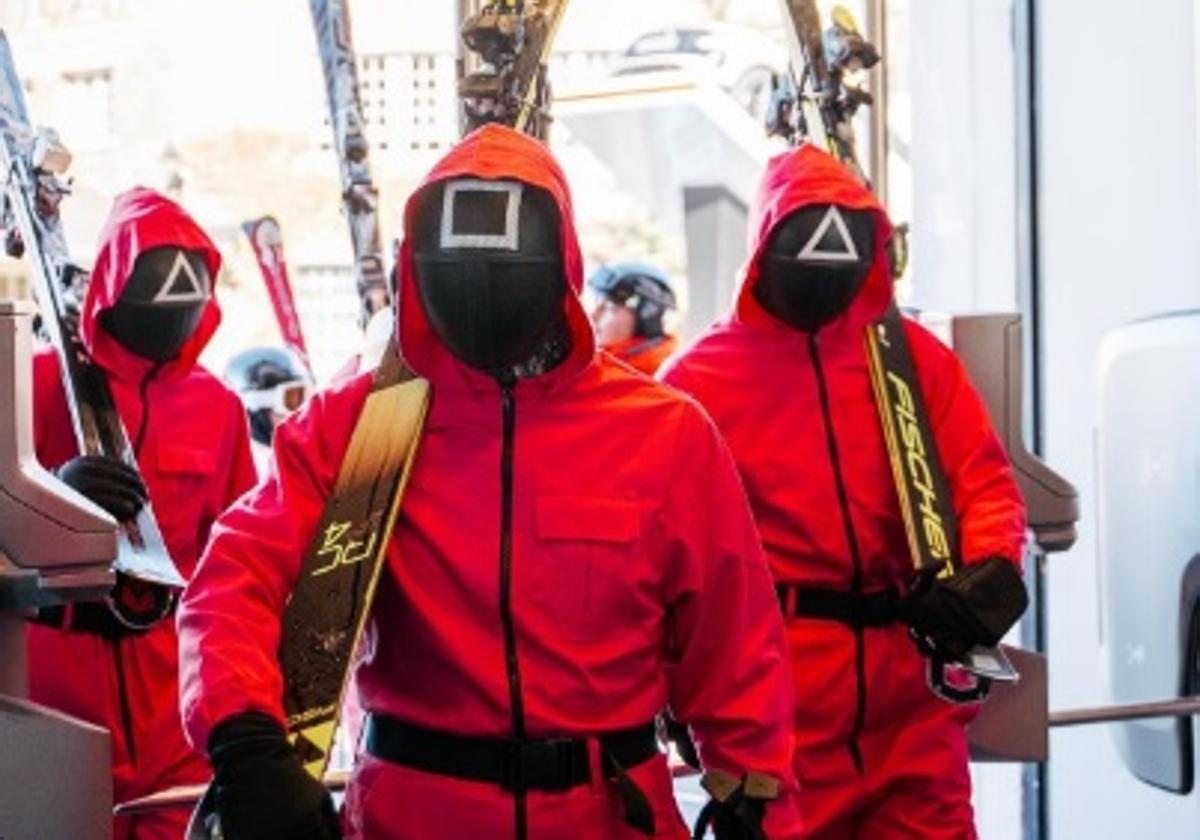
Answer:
(643, 353)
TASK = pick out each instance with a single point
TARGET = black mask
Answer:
(815, 264)
(489, 274)
(162, 303)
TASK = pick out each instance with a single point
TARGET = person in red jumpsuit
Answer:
(785, 377)
(633, 298)
(148, 313)
(573, 554)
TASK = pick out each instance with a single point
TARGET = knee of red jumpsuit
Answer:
(831, 792)
(921, 784)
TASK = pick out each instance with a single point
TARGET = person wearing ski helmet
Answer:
(633, 299)
(272, 382)
(148, 313)
(785, 376)
(573, 554)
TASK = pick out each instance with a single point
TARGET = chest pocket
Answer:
(585, 567)
(184, 478)
(181, 492)
(185, 460)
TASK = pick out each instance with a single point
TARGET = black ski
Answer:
(360, 198)
(32, 191)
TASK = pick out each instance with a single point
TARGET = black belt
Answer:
(553, 764)
(857, 609)
(91, 617)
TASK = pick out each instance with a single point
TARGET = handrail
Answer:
(1181, 707)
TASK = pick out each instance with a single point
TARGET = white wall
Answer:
(1119, 224)
(961, 67)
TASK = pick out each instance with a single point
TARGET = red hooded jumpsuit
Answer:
(878, 755)
(620, 573)
(193, 451)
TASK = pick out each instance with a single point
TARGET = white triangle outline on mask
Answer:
(833, 217)
(195, 293)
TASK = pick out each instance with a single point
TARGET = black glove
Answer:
(737, 808)
(111, 484)
(261, 791)
(976, 606)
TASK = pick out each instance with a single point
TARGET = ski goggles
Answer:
(283, 398)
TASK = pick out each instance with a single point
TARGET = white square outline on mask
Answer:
(507, 240)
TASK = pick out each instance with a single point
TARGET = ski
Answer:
(266, 239)
(816, 102)
(513, 39)
(360, 197)
(926, 505)
(331, 602)
(33, 189)
(329, 607)
(327, 613)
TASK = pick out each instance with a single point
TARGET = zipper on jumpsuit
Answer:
(860, 709)
(511, 662)
(123, 697)
(122, 688)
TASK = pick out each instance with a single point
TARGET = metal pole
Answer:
(878, 113)
(464, 10)
(1183, 707)
(465, 61)
(1027, 97)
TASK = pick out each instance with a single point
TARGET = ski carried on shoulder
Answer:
(513, 39)
(360, 197)
(33, 188)
(926, 504)
(328, 610)
(327, 613)
(326, 616)
(816, 102)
